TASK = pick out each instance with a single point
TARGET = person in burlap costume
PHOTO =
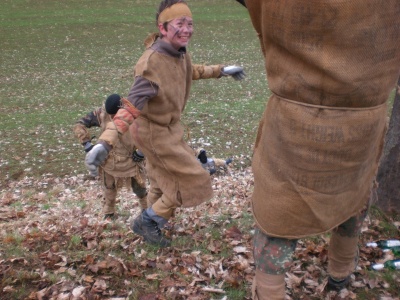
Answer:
(331, 66)
(211, 164)
(123, 165)
(152, 114)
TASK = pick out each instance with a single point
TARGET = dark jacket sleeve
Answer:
(142, 91)
(91, 119)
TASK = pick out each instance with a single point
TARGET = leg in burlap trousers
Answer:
(109, 185)
(273, 257)
(160, 203)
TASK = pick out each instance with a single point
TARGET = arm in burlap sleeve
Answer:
(121, 122)
(206, 72)
(92, 119)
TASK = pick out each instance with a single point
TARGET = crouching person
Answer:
(211, 164)
(124, 164)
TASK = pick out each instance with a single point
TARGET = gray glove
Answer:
(235, 71)
(209, 166)
(95, 158)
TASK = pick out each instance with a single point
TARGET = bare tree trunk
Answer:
(389, 170)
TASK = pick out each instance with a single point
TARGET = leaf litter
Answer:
(56, 244)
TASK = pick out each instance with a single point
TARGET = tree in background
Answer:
(389, 171)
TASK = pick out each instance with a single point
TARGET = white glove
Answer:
(95, 158)
(235, 71)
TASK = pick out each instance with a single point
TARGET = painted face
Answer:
(179, 32)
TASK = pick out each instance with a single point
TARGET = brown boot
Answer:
(268, 286)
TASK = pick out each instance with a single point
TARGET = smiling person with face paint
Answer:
(152, 113)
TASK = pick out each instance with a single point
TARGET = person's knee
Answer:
(273, 255)
(351, 227)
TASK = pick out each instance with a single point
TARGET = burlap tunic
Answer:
(119, 162)
(158, 132)
(321, 136)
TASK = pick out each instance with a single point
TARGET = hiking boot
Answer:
(337, 285)
(149, 230)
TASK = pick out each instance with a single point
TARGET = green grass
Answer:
(387, 227)
(60, 60)
(75, 241)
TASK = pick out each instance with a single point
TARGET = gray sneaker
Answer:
(143, 225)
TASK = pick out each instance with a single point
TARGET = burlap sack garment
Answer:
(159, 133)
(321, 136)
(119, 162)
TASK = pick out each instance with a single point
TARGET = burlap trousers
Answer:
(273, 256)
(110, 189)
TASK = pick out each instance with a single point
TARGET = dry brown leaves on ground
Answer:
(56, 245)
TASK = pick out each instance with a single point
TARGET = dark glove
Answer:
(95, 158)
(236, 72)
(137, 156)
(87, 146)
(242, 2)
(202, 156)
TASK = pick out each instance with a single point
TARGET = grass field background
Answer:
(61, 59)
